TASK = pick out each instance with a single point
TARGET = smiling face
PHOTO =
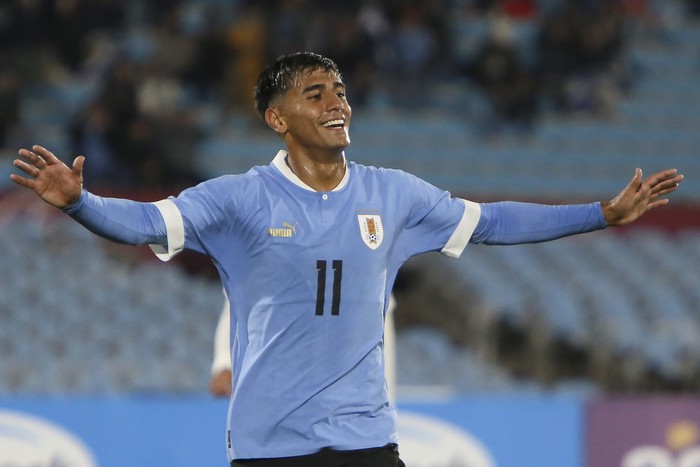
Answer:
(313, 115)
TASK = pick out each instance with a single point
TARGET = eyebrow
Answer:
(321, 86)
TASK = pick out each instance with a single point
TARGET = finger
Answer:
(26, 153)
(662, 176)
(671, 183)
(657, 203)
(45, 154)
(26, 168)
(36, 160)
(25, 182)
(664, 192)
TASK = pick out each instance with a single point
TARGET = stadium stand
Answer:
(610, 311)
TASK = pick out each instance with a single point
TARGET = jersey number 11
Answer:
(321, 267)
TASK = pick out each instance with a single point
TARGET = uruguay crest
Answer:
(371, 229)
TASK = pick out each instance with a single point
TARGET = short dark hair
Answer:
(280, 75)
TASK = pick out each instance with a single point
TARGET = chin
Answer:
(341, 145)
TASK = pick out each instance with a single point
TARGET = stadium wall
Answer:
(516, 430)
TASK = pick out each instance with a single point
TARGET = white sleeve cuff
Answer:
(460, 237)
(175, 228)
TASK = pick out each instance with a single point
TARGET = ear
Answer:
(275, 120)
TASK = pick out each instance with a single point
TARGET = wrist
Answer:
(611, 214)
(77, 204)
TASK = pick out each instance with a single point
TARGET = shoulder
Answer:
(381, 173)
(232, 183)
(222, 191)
(390, 179)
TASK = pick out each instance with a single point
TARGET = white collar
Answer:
(280, 162)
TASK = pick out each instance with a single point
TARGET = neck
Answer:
(320, 173)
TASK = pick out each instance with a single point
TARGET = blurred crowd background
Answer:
(548, 99)
(139, 67)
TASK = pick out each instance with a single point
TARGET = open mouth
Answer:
(335, 124)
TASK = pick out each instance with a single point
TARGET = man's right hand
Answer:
(48, 177)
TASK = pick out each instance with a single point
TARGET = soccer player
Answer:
(308, 248)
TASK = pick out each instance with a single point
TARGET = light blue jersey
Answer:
(309, 276)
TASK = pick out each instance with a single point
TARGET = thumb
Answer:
(633, 186)
(78, 166)
(637, 179)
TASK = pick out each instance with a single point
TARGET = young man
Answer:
(308, 248)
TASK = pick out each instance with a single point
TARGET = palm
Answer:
(56, 184)
(51, 179)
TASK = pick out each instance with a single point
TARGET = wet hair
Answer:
(281, 75)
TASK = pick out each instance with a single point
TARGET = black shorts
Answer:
(387, 456)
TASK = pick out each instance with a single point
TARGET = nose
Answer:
(335, 103)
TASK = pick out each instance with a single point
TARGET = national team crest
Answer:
(371, 229)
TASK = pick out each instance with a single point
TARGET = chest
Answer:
(319, 230)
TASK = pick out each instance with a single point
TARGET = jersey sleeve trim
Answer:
(460, 237)
(175, 227)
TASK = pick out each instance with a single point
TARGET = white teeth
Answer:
(334, 123)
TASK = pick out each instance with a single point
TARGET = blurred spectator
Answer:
(415, 41)
(509, 86)
(601, 37)
(693, 7)
(107, 15)
(119, 97)
(24, 42)
(579, 50)
(158, 93)
(27, 23)
(68, 28)
(206, 71)
(520, 9)
(247, 43)
(173, 48)
(349, 45)
(178, 136)
(373, 19)
(556, 53)
(437, 18)
(9, 103)
(288, 23)
(166, 130)
(89, 136)
(143, 153)
(416, 45)
(151, 12)
(644, 20)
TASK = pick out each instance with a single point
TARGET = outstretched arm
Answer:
(119, 220)
(640, 196)
(511, 223)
